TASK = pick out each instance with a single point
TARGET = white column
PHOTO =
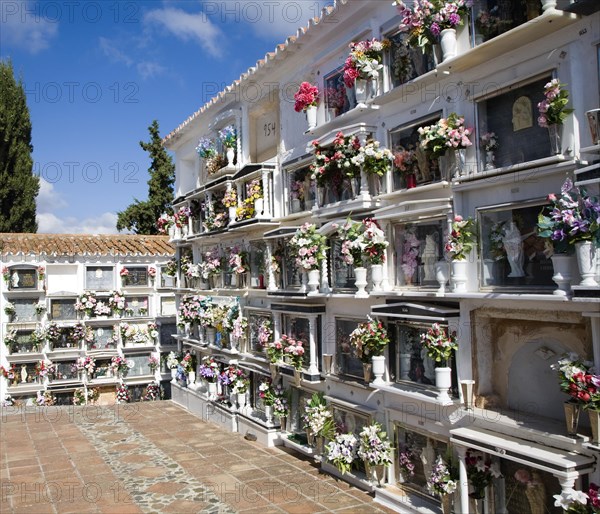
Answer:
(267, 210)
(271, 284)
(463, 480)
(239, 189)
(313, 368)
(385, 285)
(566, 483)
(364, 183)
(325, 289)
(276, 326)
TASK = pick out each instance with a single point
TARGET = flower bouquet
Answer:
(364, 61)
(294, 350)
(480, 472)
(240, 383)
(230, 198)
(374, 242)
(206, 148)
(489, 141)
(228, 136)
(10, 339)
(308, 247)
(209, 369)
(318, 418)
(375, 160)
(462, 238)
(578, 502)
(553, 109)
(577, 380)
(264, 332)
(40, 308)
(9, 309)
(306, 96)
(439, 343)
(42, 368)
(275, 350)
(369, 339)
(238, 260)
(86, 302)
(410, 255)
(172, 360)
(297, 190)
(374, 446)
(254, 190)
(153, 363)
(405, 161)
(116, 301)
(164, 223)
(281, 406)
(266, 392)
(182, 216)
(405, 462)
(122, 394)
(342, 451)
(152, 392)
(351, 236)
(5, 274)
(442, 479)
(447, 133)
(120, 365)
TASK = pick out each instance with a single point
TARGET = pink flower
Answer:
(458, 218)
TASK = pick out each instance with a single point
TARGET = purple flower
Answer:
(454, 19)
(558, 235)
(435, 29)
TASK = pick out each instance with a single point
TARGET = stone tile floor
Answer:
(154, 457)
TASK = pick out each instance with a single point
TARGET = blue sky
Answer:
(97, 73)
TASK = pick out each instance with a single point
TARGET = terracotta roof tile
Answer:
(82, 244)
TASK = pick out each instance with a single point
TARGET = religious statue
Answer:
(14, 280)
(513, 244)
(522, 114)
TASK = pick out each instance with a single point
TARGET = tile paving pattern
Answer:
(154, 457)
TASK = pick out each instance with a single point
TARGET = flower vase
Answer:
(241, 401)
(360, 275)
(211, 334)
(442, 273)
(378, 474)
(411, 181)
(212, 390)
(594, 422)
(367, 367)
(313, 281)
(489, 160)
(230, 154)
(587, 260)
(269, 414)
(448, 43)
(377, 276)
(191, 378)
(562, 263)
(327, 362)
(443, 382)
(259, 205)
(355, 186)
(321, 196)
(572, 411)
(554, 132)
(361, 91)
(172, 232)
(232, 214)
(282, 423)
(311, 116)
(548, 5)
(319, 444)
(310, 437)
(378, 362)
(466, 387)
(273, 369)
(459, 276)
(593, 118)
(446, 501)
(375, 184)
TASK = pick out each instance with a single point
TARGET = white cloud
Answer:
(113, 53)
(149, 69)
(49, 223)
(48, 198)
(188, 27)
(23, 26)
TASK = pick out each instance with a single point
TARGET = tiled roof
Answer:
(82, 244)
(261, 63)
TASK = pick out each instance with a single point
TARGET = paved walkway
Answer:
(154, 457)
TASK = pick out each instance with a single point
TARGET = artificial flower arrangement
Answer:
(364, 61)
(240, 383)
(152, 272)
(172, 360)
(297, 190)
(336, 160)
(82, 396)
(374, 242)
(294, 351)
(571, 218)
(38, 337)
(164, 223)
(238, 260)
(489, 141)
(369, 339)
(480, 472)
(306, 96)
(215, 163)
(374, 446)
(264, 332)
(426, 19)
(335, 98)
(281, 406)
(81, 332)
(122, 395)
(446, 133)
(374, 159)
(230, 198)
(228, 375)
(254, 190)
(5, 274)
(188, 363)
(153, 363)
(182, 216)
(318, 418)
(442, 480)
(41, 272)
(342, 451)
(10, 339)
(87, 364)
(45, 399)
(245, 211)
(266, 392)
(170, 268)
(9, 373)
(462, 238)
(121, 365)
(209, 369)
(206, 148)
(228, 136)
(153, 392)
(239, 326)
(405, 461)
(135, 334)
(116, 301)
(275, 350)
(351, 236)
(211, 263)
(578, 502)
(405, 160)
(553, 109)
(410, 255)
(54, 333)
(9, 309)
(192, 307)
(86, 302)
(439, 343)
(40, 308)
(42, 368)
(308, 247)
(215, 221)
(578, 380)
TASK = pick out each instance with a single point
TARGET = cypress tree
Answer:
(140, 217)
(19, 187)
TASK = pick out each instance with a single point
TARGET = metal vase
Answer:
(572, 411)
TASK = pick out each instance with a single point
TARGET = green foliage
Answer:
(19, 187)
(140, 217)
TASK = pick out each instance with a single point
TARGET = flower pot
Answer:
(297, 377)
(378, 473)
(269, 414)
(313, 281)
(443, 382)
(232, 214)
(562, 265)
(191, 378)
(594, 422)
(259, 206)
(405, 359)
(459, 276)
(572, 411)
(548, 5)
(593, 118)
(185, 230)
(230, 154)
(241, 400)
(377, 276)
(172, 232)
(446, 501)
(554, 132)
(282, 423)
(466, 387)
(327, 362)
(367, 367)
(411, 181)
(212, 390)
(378, 369)
(587, 260)
(310, 437)
(211, 335)
(311, 116)
(173, 374)
(489, 160)
(361, 91)
(442, 273)
(448, 43)
(360, 275)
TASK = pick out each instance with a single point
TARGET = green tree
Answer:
(140, 217)
(19, 187)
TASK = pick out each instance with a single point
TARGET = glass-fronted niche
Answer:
(24, 344)
(494, 17)
(135, 276)
(99, 278)
(421, 451)
(62, 309)
(260, 328)
(405, 62)
(512, 254)
(166, 331)
(409, 357)
(105, 338)
(103, 369)
(411, 164)
(338, 99)
(347, 361)
(342, 274)
(289, 275)
(257, 254)
(65, 370)
(22, 278)
(418, 247)
(24, 309)
(136, 305)
(512, 117)
(25, 373)
(298, 327)
(301, 190)
(139, 365)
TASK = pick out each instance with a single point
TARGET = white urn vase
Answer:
(361, 90)
(459, 276)
(212, 390)
(448, 43)
(562, 265)
(311, 116)
(378, 369)
(587, 260)
(360, 275)
(230, 154)
(442, 273)
(259, 205)
(241, 401)
(377, 276)
(191, 379)
(232, 214)
(443, 382)
(313, 281)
